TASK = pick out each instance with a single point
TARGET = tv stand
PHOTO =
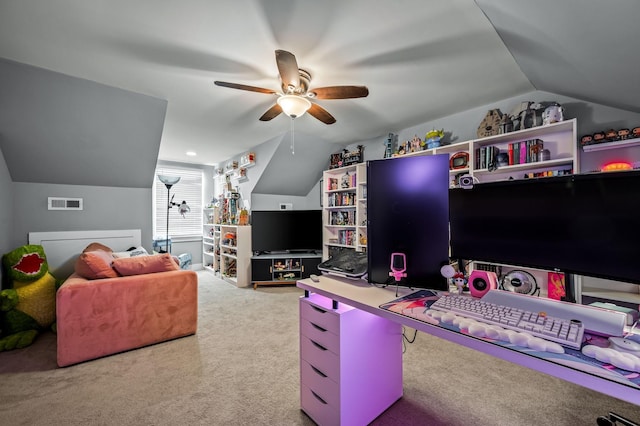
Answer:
(283, 267)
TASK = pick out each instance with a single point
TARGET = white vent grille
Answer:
(59, 203)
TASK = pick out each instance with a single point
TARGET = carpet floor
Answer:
(242, 368)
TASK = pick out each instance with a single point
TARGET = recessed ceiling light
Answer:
(191, 153)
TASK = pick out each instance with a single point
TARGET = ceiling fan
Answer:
(294, 99)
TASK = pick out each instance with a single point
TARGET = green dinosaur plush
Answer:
(29, 306)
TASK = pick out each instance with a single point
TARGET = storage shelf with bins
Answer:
(210, 242)
(344, 208)
(235, 254)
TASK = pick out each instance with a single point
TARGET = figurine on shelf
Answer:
(345, 182)
(432, 138)
(611, 135)
(624, 134)
(416, 144)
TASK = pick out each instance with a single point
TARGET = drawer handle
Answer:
(322, 311)
(319, 346)
(317, 327)
(318, 398)
(318, 372)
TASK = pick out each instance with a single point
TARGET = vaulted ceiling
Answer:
(420, 59)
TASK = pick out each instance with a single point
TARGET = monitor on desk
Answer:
(585, 224)
(408, 213)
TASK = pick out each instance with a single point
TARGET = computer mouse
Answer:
(624, 345)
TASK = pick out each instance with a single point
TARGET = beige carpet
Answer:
(242, 368)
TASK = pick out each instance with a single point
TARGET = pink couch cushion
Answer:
(139, 265)
(95, 265)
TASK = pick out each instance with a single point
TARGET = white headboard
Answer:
(63, 248)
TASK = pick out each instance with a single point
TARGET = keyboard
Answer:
(604, 322)
(566, 332)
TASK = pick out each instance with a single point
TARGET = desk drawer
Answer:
(318, 408)
(320, 357)
(320, 335)
(320, 383)
(322, 317)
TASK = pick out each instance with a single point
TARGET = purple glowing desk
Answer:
(588, 373)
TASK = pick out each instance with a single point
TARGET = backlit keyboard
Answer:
(566, 332)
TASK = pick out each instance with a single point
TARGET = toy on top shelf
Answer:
(433, 138)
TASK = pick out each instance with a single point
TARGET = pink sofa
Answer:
(105, 316)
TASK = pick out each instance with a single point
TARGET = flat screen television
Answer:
(408, 212)
(585, 224)
(286, 230)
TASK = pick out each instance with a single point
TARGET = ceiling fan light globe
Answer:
(293, 105)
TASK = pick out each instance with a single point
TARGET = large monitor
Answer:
(585, 224)
(408, 212)
(286, 230)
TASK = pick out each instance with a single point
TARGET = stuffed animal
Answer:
(28, 306)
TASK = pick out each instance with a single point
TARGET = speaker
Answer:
(480, 282)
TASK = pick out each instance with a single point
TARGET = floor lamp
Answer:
(183, 208)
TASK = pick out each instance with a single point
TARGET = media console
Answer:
(283, 267)
(360, 295)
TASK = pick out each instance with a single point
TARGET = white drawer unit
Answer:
(350, 363)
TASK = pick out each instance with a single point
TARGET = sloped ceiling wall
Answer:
(296, 173)
(65, 130)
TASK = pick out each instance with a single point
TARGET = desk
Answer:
(592, 375)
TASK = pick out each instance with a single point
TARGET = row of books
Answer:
(523, 152)
(346, 237)
(486, 157)
(346, 218)
(339, 199)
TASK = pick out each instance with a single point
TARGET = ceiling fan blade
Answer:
(244, 87)
(271, 113)
(340, 92)
(321, 114)
(288, 68)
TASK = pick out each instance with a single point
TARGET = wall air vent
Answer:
(60, 203)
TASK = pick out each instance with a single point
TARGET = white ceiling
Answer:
(421, 59)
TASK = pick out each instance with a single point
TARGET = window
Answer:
(188, 189)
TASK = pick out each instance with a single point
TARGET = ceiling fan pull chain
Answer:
(292, 138)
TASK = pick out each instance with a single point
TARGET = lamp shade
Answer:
(293, 105)
(169, 180)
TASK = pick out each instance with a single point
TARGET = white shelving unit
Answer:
(210, 242)
(344, 208)
(235, 254)
(559, 138)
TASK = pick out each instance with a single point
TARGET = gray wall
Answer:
(105, 208)
(6, 213)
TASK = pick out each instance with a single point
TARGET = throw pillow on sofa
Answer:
(95, 264)
(138, 265)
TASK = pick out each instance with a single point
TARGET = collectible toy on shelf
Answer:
(28, 301)
(610, 135)
(433, 138)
